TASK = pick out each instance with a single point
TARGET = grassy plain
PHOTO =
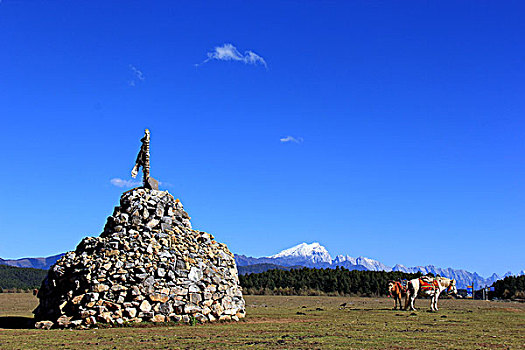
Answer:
(283, 322)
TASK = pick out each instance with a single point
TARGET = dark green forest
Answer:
(510, 287)
(305, 281)
(16, 278)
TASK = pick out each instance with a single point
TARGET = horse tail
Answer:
(411, 290)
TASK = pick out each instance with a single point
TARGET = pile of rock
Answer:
(147, 265)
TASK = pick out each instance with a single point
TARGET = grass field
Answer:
(281, 322)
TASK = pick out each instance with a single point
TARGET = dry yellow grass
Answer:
(279, 322)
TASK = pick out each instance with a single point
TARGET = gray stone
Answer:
(191, 309)
(145, 306)
(195, 274)
(167, 220)
(166, 227)
(195, 298)
(152, 223)
(64, 321)
(44, 324)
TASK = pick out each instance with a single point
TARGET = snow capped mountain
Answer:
(310, 253)
(344, 258)
(401, 268)
(369, 264)
(315, 253)
(372, 265)
(463, 278)
(316, 256)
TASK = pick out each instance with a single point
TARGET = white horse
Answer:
(431, 287)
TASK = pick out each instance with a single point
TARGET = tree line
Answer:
(20, 278)
(511, 287)
(307, 281)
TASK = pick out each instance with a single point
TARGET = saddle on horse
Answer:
(428, 283)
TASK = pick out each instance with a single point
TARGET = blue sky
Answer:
(406, 122)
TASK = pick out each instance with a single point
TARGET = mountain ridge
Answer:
(43, 263)
(312, 255)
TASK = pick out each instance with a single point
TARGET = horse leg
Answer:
(412, 299)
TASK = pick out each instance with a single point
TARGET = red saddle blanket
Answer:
(426, 285)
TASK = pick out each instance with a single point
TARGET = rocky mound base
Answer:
(147, 265)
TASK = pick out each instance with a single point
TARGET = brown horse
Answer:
(397, 291)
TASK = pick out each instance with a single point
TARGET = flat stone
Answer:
(99, 288)
(191, 309)
(131, 312)
(200, 317)
(165, 254)
(195, 274)
(77, 299)
(105, 317)
(158, 318)
(64, 321)
(167, 219)
(166, 227)
(159, 211)
(165, 308)
(145, 306)
(159, 297)
(76, 323)
(152, 223)
(195, 298)
(44, 324)
(193, 288)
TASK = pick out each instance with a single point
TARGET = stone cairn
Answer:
(147, 265)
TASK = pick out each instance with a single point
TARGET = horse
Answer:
(432, 287)
(396, 291)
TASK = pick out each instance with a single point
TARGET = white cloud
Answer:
(137, 75)
(291, 139)
(124, 183)
(228, 52)
(116, 181)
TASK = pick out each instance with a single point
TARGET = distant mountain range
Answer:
(315, 255)
(36, 263)
(311, 255)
